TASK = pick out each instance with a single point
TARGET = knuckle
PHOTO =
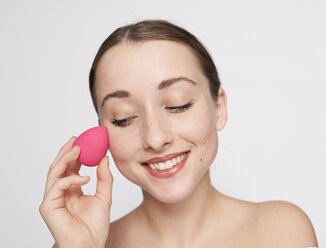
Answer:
(41, 208)
(51, 168)
(62, 149)
(68, 156)
(50, 171)
(57, 181)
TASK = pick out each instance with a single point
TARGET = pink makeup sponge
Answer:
(93, 143)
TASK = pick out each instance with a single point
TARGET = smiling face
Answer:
(157, 105)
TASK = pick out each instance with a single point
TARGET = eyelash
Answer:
(175, 109)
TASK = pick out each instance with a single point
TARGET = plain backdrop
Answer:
(271, 59)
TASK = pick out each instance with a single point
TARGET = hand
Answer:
(75, 219)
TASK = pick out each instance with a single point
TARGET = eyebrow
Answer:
(164, 84)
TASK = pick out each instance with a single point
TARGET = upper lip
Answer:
(163, 158)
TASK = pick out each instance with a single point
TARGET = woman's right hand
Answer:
(75, 219)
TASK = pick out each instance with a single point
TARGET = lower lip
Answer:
(168, 172)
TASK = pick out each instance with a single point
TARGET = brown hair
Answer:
(158, 30)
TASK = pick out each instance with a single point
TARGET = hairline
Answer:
(126, 40)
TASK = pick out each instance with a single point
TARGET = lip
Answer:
(163, 158)
(162, 174)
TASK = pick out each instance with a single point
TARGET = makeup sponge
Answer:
(93, 143)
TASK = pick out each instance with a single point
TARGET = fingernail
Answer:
(75, 148)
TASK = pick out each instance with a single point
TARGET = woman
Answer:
(156, 89)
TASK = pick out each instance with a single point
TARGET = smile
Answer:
(167, 164)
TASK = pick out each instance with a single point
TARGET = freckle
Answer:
(201, 159)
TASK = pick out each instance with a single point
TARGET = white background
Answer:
(271, 59)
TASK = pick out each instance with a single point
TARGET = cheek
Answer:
(122, 146)
(199, 126)
(201, 132)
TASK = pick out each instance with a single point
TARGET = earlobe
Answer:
(221, 111)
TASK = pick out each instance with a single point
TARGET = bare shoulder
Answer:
(113, 234)
(117, 229)
(283, 224)
(122, 233)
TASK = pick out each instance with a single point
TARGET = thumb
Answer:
(104, 182)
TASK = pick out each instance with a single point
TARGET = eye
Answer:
(122, 122)
(179, 109)
(174, 109)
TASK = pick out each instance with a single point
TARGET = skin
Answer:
(138, 68)
(184, 210)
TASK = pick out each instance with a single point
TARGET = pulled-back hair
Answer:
(157, 30)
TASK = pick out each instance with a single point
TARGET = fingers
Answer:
(55, 195)
(104, 182)
(64, 149)
(73, 168)
(60, 167)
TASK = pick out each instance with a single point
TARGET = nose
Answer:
(156, 133)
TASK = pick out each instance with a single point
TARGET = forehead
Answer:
(131, 64)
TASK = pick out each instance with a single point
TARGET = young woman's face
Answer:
(148, 115)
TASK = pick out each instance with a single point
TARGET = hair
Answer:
(158, 30)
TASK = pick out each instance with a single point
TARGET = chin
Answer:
(171, 195)
(171, 199)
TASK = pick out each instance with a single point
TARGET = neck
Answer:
(184, 218)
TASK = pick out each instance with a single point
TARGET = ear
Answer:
(220, 110)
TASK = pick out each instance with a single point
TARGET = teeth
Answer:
(161, 166)
(168, 164)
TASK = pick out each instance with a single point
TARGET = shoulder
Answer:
(122, 232)
(117, 233)
(283, 224)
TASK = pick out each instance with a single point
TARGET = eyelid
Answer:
(181, 107)
(122, 122)
(175, 109)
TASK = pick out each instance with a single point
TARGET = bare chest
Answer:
(243, 239)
